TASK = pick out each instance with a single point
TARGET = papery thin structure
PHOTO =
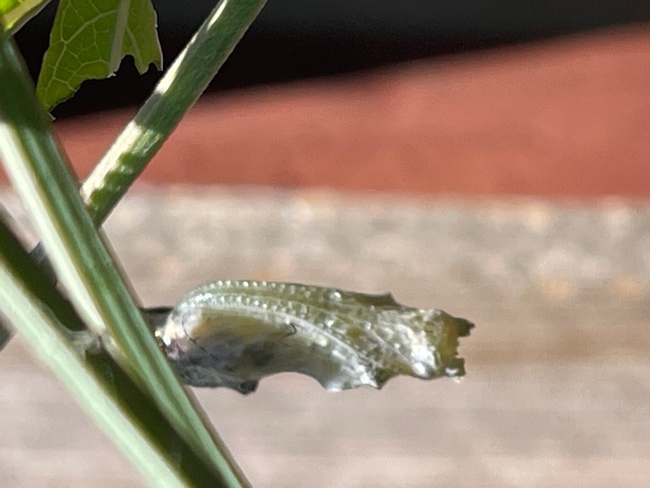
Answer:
(233, 333)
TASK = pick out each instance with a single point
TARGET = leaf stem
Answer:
(39, 172)
(42, 335)
(175, 94)
(128, 416)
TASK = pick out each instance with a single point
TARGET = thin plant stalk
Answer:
(40, 173)
(174, 95)
(37, 328)
(126, 414)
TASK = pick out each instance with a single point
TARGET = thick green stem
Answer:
(5, 335)
(37, 281)
(40, 174)
(140, 140)
(42, 334)
(175, 94)
(121, 408)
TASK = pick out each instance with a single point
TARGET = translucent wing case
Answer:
(233, 333)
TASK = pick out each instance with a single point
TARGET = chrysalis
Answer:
(233, 333)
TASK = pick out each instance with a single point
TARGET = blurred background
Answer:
(486, 158)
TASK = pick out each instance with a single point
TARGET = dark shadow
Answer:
(297, 39)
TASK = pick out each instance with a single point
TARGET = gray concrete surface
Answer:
(558, 385)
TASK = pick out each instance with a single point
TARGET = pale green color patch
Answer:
(15, 13)
(88, 41)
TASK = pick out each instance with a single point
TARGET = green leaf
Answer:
(88, 41)
(15, 13)
(140, 38)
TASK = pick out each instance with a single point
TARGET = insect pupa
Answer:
(233, 333)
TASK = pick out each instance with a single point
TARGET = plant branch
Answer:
(127, 415)
(42, 334)
(175, 94)
(40, 174)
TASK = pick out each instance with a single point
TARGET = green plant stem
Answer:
(36, 280)
(121, 408)
(39, 173)
(5, 335)
(13, 19)
(17, 306)
(175, 94)
(173, 97)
